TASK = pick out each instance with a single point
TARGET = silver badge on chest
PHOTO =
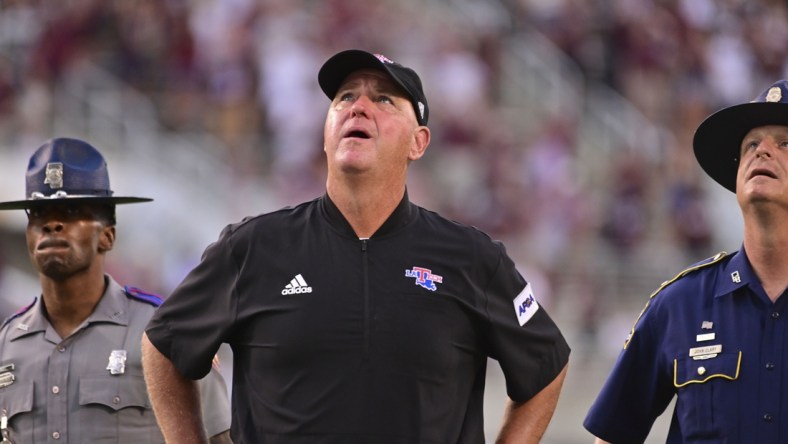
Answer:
(117, 362)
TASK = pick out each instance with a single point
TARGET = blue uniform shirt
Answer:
(712, 337)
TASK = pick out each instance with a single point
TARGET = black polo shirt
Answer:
(341, 339)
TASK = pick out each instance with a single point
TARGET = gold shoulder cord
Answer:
(712, 260)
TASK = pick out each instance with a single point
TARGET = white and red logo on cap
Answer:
(383, 58)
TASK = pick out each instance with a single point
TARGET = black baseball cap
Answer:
(65, 170)
(342, 64)
(717, 141)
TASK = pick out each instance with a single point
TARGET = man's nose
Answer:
(53, 225)
(361, 106)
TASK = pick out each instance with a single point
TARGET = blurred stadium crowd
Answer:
(245, 72)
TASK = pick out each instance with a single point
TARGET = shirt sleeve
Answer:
(637, 390)
(196, 319)
(523, 338)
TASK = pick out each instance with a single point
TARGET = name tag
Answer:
(706, 352)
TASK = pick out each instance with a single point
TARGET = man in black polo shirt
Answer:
(358, 316)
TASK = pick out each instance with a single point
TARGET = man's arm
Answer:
(175, 399)
(526, 422)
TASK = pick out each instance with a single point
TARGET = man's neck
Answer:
(365, 207)
(767, 251)
(69, 302)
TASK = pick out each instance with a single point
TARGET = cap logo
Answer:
(54, 175)
(383, 58)
(774, 95)
(421, 110)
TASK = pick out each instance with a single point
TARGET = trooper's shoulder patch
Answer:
(704, 263)
(19, 312)
(143, 296)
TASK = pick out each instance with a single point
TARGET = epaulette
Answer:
(704, 263)
(19, 312)
(137, 294)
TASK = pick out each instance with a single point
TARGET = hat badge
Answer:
(54, 175)
(774, 95)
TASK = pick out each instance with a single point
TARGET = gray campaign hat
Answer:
(717, 141)
(342, 64)
(67, 170)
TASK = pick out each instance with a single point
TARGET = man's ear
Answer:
(421, 136)
(107, 239)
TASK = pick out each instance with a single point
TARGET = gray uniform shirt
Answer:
(81, 389)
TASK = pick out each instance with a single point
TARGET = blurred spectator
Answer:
(626, 216)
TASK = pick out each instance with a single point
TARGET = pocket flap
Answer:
(690, 371)
(16, 398)
(114, 392)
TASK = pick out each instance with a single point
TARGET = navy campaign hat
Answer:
(67, 170)
(717, 141)
(340, 65)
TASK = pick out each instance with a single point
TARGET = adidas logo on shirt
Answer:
(297, 286)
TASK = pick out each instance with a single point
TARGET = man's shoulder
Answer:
(18, 313)
(283, 217)
(138, 295)
(693, 275)
(446, 225)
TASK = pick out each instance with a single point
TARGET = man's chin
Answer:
(55, 270)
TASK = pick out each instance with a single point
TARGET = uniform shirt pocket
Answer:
(701, 385)
(16, 403)
(114, 392)
(115, 409)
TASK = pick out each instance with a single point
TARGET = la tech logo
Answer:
(424, 277)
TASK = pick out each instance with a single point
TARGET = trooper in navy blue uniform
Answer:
(359, 317)
(716, 335)
(70, 362)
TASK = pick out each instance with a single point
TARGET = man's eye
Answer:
(385, 99)
(346, 97)
(749, 146)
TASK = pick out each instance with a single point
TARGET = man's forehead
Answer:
(768, 129)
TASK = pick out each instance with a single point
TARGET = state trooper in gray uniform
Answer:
(70, 364)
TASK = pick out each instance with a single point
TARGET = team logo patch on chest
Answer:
(525, 305)
(424, 277)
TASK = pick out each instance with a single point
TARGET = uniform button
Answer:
(769, 366)
(61, 349)
(55, 435)
(116, 400)
(767, 417)
(701, 370)
(55, 389)
(775, 315)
